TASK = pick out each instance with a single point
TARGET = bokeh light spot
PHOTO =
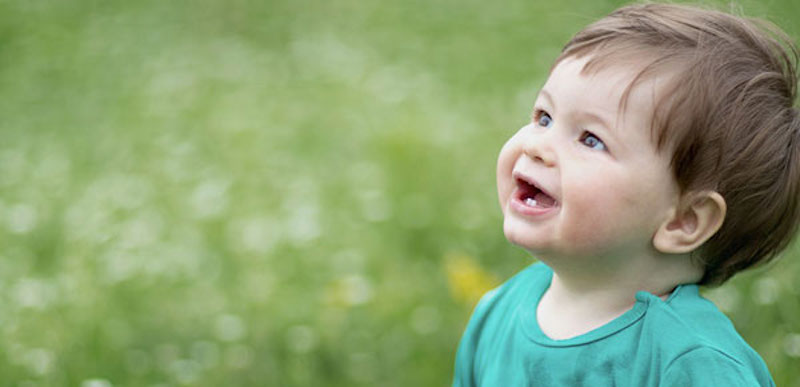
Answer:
(22, 218)
(230, 328)
(426, 319)
(301, 339)
(791, 345)
(766, 291)
(96, 383)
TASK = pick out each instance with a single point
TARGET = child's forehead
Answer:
(621, 72)
(611, 87)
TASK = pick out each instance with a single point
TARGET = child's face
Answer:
(583, 179)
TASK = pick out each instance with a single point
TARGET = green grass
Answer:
(276, 193)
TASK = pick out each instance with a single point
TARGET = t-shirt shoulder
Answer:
(707, 366)
(702, 343)
(503, 301)
(498, 304)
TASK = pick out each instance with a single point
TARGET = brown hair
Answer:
(727, 115)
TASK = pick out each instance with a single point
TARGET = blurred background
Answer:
(278, 193)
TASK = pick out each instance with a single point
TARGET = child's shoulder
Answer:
(697, 337)
(686, 316)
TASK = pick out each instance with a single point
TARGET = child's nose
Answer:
(540, 149)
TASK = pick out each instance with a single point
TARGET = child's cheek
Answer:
(589, 226)
(602, 219)
(505, 166)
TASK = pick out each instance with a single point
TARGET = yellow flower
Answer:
(467, 280)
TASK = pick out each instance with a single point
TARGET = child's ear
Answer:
(693, 222)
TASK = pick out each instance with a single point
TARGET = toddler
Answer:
(663, 154)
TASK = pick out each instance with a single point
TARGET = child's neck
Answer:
(580, 301)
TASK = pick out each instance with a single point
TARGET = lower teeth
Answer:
(530, 202)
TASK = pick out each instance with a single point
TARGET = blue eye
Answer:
(592, 141)
(542, 118)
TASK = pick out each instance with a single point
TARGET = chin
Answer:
(517, 236)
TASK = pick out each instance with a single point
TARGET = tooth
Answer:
(531, 202)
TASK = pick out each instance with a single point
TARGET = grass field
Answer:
(280, 193)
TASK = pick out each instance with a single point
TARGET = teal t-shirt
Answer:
(681, 341)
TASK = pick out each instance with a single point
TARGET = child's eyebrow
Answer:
(586, 115)
(548, 97)
(596, 118)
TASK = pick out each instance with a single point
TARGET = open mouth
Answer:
(532, 196)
